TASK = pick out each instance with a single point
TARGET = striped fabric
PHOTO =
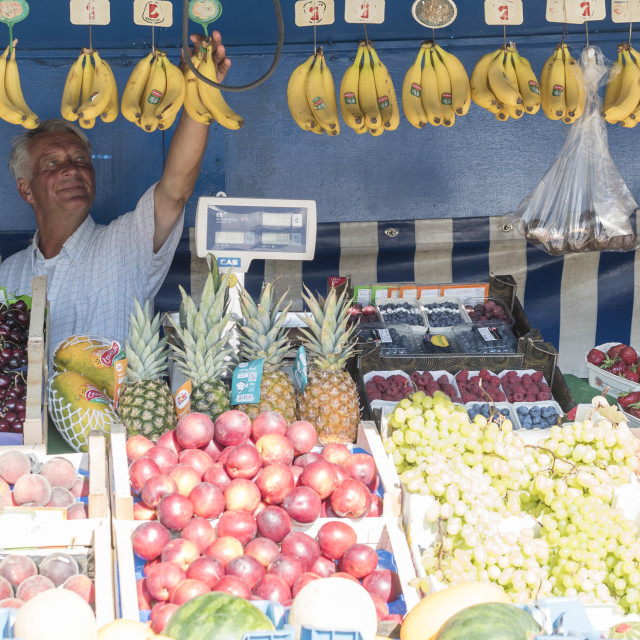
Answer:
(576, 301)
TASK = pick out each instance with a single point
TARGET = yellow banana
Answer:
(460, 89)
(412, 91)
(502, 115)
(297, 96)
(481, 92)
(110, 112)
(132, 94)
(98, 99)
(318, 95)
(86, 123)
(72, 89)
(192, 101)
(87, 78)
(614, 82)
(444, 89)
(516, 112)
(330, 97)
(527, 83)
(387, 99)
(14, 91)
(376, 131)
(212, 97)
(349, 105)
(629, 96)
(500, 84)
(155, 88)
(574, 87)
(628, 123)
(430, 95)
(168, 107)
(367, 95)
(554, 105)
(8, 112)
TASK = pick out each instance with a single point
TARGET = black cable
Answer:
(245, 87)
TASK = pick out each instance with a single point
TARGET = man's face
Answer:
(63, 184)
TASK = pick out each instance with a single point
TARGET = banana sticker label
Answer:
(350, 97)
(533, 86)
(318, 103)
(557, 90)
(416, 89)
(383, 102)
(446, 98)
(154, 96)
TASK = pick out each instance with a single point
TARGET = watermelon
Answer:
(490, 621)
(216, 615)
(625, 630)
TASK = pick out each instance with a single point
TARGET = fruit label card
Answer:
(503, 12)
(410, 293)
(90, 12)
(575, 11)
(428, 292)
(153, 13)
(364, 11)
(362, 293)
(245, 385)
(434, 14)
(12, 11)
(30, 516)
(312, 13)
(300, 376)
(480, 291)
(625, 10)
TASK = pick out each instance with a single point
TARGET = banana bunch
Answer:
(311, 96)
(89, 91)
(562, 86)
(368, 100)
(622, 95)
(203, 102)
(13, 108)
(435, 88)
(154, 92)
(503, 83)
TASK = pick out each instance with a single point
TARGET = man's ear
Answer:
(24, 189)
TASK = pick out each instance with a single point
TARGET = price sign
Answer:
(12, 11)
(576, 11)
(364, 11)
(154, 13)
(204, 11)
(90, 12)
(434, 14)
(625, 10)
(505, 12)
(313, 13)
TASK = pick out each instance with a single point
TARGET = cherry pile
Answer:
(14, 335)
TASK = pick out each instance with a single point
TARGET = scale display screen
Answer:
(252, 229)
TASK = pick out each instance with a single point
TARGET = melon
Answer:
(216, 615)
(334, 604)
(122, 629)
(56, 614)
(426, 617)
(490, 621)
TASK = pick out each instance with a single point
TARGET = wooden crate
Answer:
(34, 434)
(378, 533)
(94, 462)
(89, 540)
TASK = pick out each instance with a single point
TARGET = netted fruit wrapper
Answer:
(582, 203)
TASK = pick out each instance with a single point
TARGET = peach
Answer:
(13, 465)
(6, 499)
(32, 490)
(11, 603)
(60, 497)
(59, 471)
(16, 568)
(82, 585)
(77, 511)
(80, 488)
(6, 590)
(32, 587)
(58, 567)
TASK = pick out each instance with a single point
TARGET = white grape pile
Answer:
(569, 539)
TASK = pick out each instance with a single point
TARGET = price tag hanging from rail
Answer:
(205, 12)
(364, 11)
(90, 12)
(12, 11)
(503, 12)
(576, 11)
(153, 13)
(625, 10)
(434, 14)
(313, 13)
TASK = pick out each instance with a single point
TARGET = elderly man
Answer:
(95, 271)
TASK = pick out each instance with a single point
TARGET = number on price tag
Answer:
(505, 12)
(625, 10)
(90, 12)
(311, 13)
(154, 13)
(364, 11)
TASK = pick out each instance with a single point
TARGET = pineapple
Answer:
(330, 398)
(202, 352)
(263, 336)
(146, 405)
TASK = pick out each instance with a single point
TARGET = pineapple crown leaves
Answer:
(327, 335)
(147, 356)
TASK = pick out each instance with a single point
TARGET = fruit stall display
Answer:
(23, 369)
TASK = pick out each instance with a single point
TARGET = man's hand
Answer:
(219, 54)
